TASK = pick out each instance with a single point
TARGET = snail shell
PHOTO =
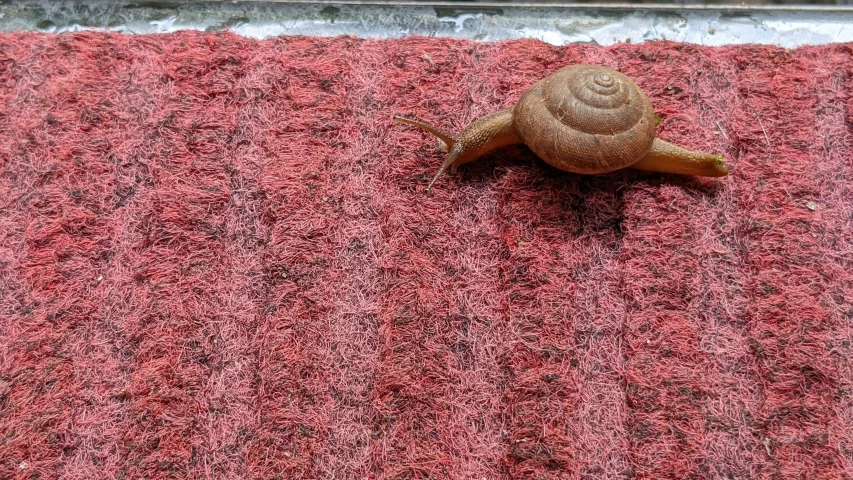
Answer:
(586, 119)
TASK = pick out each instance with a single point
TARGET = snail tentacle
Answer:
(449, 161)
(448, 139)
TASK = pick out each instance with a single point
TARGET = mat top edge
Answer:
(553, 23)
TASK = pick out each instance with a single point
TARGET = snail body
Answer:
(584, 119)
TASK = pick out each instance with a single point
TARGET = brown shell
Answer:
(586, 119)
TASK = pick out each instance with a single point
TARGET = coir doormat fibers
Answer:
(218, 261)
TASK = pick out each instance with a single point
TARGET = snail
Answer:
(584, 119)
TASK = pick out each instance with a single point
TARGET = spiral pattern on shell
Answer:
(586, 119)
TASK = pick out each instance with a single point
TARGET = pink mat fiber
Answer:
(217, 261)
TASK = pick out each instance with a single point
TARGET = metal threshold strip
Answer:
(633, 7)
(555, 23)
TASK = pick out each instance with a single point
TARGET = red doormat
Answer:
(217, 261)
